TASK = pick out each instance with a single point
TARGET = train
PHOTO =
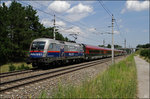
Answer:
(45, 51)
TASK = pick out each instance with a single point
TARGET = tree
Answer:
(117, 46)
(101, 45)
(19, 25)
(143, 46)
(5, 42)
(108, 46)
(24, 27)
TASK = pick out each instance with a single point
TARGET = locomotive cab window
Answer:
(38, 46)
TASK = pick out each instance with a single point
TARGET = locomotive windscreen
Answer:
(38, 46)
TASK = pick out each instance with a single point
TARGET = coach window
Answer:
(51, 46)
(66, 48)
(71, 48)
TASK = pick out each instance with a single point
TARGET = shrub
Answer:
(26, 67)
(23, 67)
(12, 67)
(145, 53)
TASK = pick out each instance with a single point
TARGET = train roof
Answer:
(73, 44)
(99, 48)
(96, 47)
(56, 41)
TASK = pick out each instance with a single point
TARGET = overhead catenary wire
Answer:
(110, 14)
(56, 17)
(100, 1)
(81, 35)
(80, 23)
(119, 29)
(51, 14)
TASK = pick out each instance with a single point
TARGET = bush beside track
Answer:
(14, 66)
(119, 81)
(144, 53)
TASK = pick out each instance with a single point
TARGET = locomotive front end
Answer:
(37, 52)
(37, 49)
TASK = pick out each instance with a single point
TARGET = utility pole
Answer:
(112, 46)
(104, 42)
(124, 43)
(54, 29)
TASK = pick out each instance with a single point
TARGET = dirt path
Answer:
(143, 77)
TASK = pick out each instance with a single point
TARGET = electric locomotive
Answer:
(44, 51)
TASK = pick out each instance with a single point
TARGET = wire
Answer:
(51, 15)
(82, 24)
(109, 13)
(119, 29)
(105, 8)
(63, 20)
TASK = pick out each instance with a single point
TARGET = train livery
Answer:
(45, 51)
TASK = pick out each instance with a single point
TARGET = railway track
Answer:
(12, 84)
(6, 74)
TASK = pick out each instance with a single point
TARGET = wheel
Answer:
(34, 65)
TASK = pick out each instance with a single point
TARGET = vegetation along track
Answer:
(7, 85)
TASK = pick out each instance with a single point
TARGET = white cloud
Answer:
(116, 32)
(76, 17)
(71, 30)
(7, 3)
(136, 5)
(48, 23)
(60, 23)
(59, 6)
(78, 12)
(80, 8)
(92, 29)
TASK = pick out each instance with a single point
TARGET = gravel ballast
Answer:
(75, 78)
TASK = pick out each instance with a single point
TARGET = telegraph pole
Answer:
(104, 42)
(112, 46)
(54, 29)
(124, 43)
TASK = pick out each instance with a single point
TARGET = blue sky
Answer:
(88, 19)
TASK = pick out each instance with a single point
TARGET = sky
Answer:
(92, 20)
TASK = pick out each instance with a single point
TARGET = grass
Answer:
(5, 67)
(119, 81)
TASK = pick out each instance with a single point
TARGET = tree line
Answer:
(19, 25)
(109, 46)
(143, 46)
